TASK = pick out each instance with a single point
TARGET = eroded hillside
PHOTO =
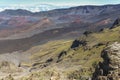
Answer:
(63, 59)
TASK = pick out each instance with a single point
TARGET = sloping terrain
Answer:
(18, 27)
(65, 59)
(40, 46)
(20, 44)
(16, 24)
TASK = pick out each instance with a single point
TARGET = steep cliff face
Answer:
(109, 69)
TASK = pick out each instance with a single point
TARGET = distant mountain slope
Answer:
(17, 22)
(66, 59)
(21, 26)
(19, 12)
(81, 10)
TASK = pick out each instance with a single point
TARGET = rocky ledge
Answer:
(109, 69)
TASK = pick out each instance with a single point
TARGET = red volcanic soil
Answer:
(8, 32)
(77, 21)
(19, 21)
(22, 26)
(104, 22)
(43, 23)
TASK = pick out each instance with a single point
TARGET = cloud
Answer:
(33, 8)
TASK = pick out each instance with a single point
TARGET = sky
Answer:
(58, 2)
(45, 5)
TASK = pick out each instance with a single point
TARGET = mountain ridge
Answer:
(33, 8)
(97, 17)
(76, 7)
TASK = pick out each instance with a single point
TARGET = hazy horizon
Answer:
(59, 3)
(44, 5)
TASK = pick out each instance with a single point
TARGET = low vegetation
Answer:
(57, 60)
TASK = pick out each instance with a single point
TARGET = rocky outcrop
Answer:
(116, 23)
(77, 43)
(109, 69)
